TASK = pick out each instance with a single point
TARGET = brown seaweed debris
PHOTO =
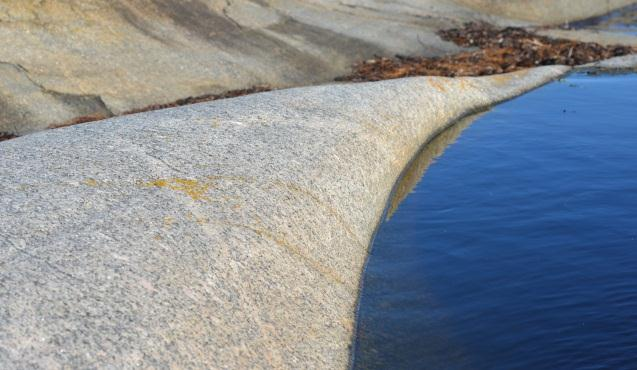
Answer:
(81, 119)
(501, 51)
(203, 98)
(176, 103)
(6, 136)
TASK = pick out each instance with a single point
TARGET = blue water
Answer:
(518, 248)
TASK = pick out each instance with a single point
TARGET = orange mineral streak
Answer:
(193, 188)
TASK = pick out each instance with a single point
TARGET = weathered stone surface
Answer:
(79, 57)
(546, 12)
(229, 234)
(600, 37)
(19, 94)
(625, 63)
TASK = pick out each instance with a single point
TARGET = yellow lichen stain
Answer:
(466, 84)
(90, 182)
(437, 85)
(198, 219)
(202, 220)
(510, 77)
(193, 188)
(503, 79)
(522, 72)
(295, 250)
(347, 324)
(168, 221)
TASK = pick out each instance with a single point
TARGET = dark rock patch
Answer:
(6, 136)
(199, 99)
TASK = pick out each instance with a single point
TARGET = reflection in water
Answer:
(438, 339)
(519, 249)
(415, 170)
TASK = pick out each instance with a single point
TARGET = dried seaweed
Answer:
(501, 51)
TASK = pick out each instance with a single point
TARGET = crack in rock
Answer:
(49, 105)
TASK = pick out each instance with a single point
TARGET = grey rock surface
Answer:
(229, 234)
(546, 12)
(626, 63)
(62, 60)
(600, 37)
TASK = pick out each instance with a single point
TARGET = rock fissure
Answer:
(225, 13)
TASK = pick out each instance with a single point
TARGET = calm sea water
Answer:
(518, 248)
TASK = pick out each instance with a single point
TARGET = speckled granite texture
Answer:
(228, 235)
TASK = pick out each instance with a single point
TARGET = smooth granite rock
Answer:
(598, 36)
(229, 234)
(62, 60)
(546, 12)
(626, 63)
